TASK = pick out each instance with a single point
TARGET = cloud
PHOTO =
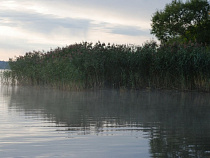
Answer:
(22, 32)
(41, 24)
(129, 30)
(78, 15)
(47, 24)
(120, 29)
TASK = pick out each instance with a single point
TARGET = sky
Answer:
(27, 25)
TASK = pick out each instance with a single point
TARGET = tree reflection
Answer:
(175, 123)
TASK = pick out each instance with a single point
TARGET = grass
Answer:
(87, 65)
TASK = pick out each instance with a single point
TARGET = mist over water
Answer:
(41, 122)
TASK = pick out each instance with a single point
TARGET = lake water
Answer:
(41, 122)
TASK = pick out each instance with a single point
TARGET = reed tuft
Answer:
(87, 65)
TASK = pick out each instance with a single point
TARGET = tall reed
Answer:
(87, 65)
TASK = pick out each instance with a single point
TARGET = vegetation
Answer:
(181, 62)
(183, 22)
(87, 65)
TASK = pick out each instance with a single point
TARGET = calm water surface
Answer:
(40, 122)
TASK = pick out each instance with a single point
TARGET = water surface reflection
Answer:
(118, 124)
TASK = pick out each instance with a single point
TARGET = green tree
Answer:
(182, 21)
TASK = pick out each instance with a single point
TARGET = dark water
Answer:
(38, 122)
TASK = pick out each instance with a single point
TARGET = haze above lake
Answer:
(41, 122)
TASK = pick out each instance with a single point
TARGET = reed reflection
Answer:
(175, 123)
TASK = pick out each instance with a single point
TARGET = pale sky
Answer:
(27, 25)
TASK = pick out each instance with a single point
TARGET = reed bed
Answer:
(86, 65)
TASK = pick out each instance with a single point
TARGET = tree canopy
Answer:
(182, 21)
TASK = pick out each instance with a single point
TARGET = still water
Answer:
(41, 122)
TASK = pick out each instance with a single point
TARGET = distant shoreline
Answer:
(4, 65)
